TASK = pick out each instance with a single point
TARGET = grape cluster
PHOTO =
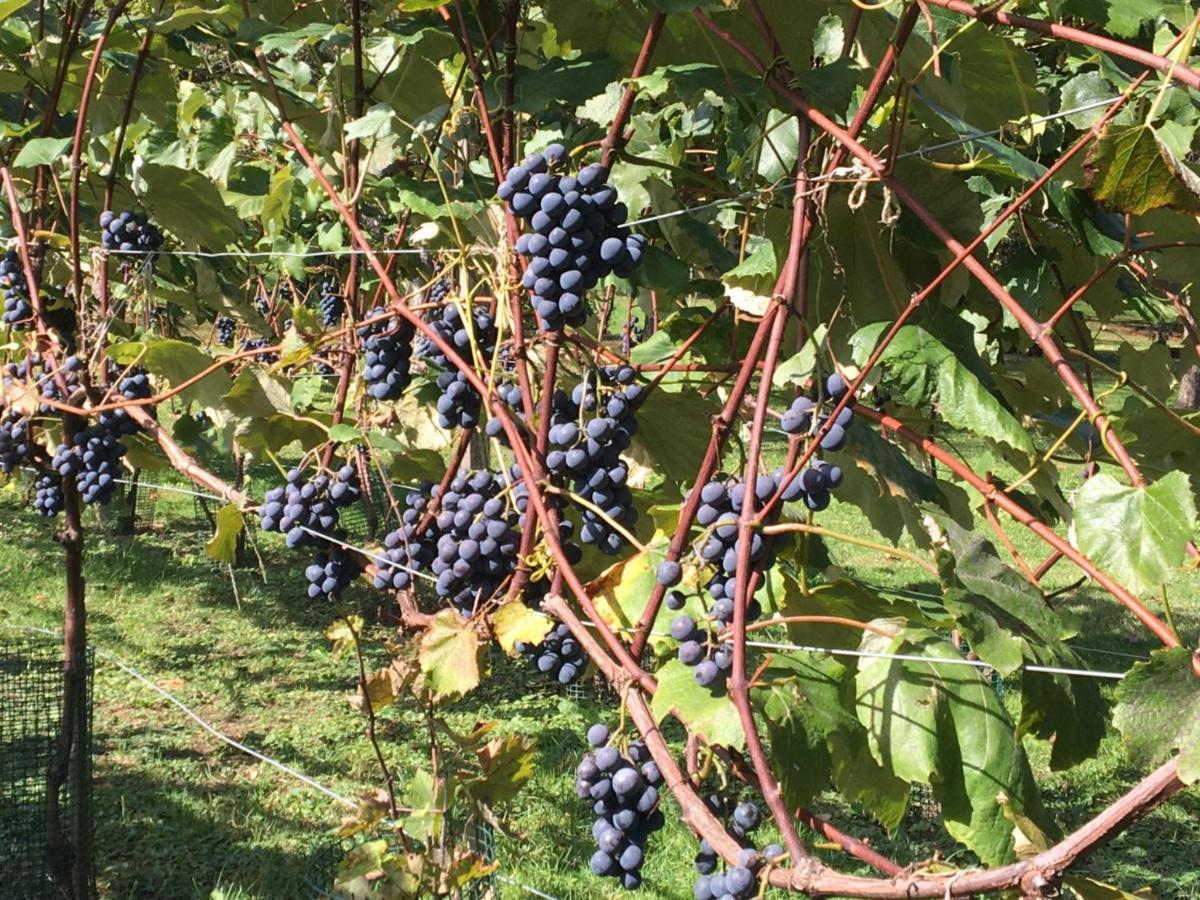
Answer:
(740, 881)
(16, 439)
(226, 328)
(697, 648)
(624, 794)
(558, 656)
(331, 572)
(440, 289)
(332, 305)
(589, 429)
(470, 548)
(17, 309)
(48, 495)
(313, 505)
(93, 458)
(459, 403)
(799, 418)
(448, 324)
(387, 347)
(134, 386)
(127, 232)
(267, 359)
(577, 236)
(509, 393)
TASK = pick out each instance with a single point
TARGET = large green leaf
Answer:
(919, 370)
(1158, 711)
(190, 206)
(674, 430)
(1136, 534)
(707, 713)
(176, 361)
(944, 725)
(1008, 623)
(1131, 170)
(450, 656)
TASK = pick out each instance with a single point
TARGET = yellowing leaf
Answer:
(450, 656)
(223, 545)
(343, 632)
(1132, 170)
(514, 621)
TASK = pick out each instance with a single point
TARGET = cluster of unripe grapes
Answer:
(576, 233)
(387, 354)
(623, 791)
(17, 309)
(558, 656)
(807, 412)
(589, 429)
(469, 548)
(332, 305)
(129, 232)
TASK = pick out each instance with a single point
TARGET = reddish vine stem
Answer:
(1028, 519)
(616, 138)
(994, 16)
(963, 255)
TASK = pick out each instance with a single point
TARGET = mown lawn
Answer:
(180, 815)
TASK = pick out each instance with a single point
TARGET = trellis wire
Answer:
(767, 645)
(646, 220)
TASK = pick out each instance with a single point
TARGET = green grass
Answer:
(180, 815)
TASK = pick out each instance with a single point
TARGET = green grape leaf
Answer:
(1131, 170)
(507, 765)
(707, 713)
(1008, 623)
(1158, 711)
(674, 431)
(1136, 534)
(944, 725)
(176, 361)
(919, 370)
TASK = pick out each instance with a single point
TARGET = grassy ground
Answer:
(180, 815)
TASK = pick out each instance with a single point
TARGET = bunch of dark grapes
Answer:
(624, 795)
(134, 386)
(558, 656)
(470, 548)
(577, 236)
(799, 419)
(331, 572)
(332, 305)
(459, 403)
(509, 393)
(741, 880)
(387, 348)
(301, 506)
(698, 648)
(440, 290)
(48, 495)
(448, 324)
(267, 359)
(130, 232)
(226, 328)
(589, 429)
(17, 309)
(16, 440)
(93, 458)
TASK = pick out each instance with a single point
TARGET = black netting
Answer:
(31, 700)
